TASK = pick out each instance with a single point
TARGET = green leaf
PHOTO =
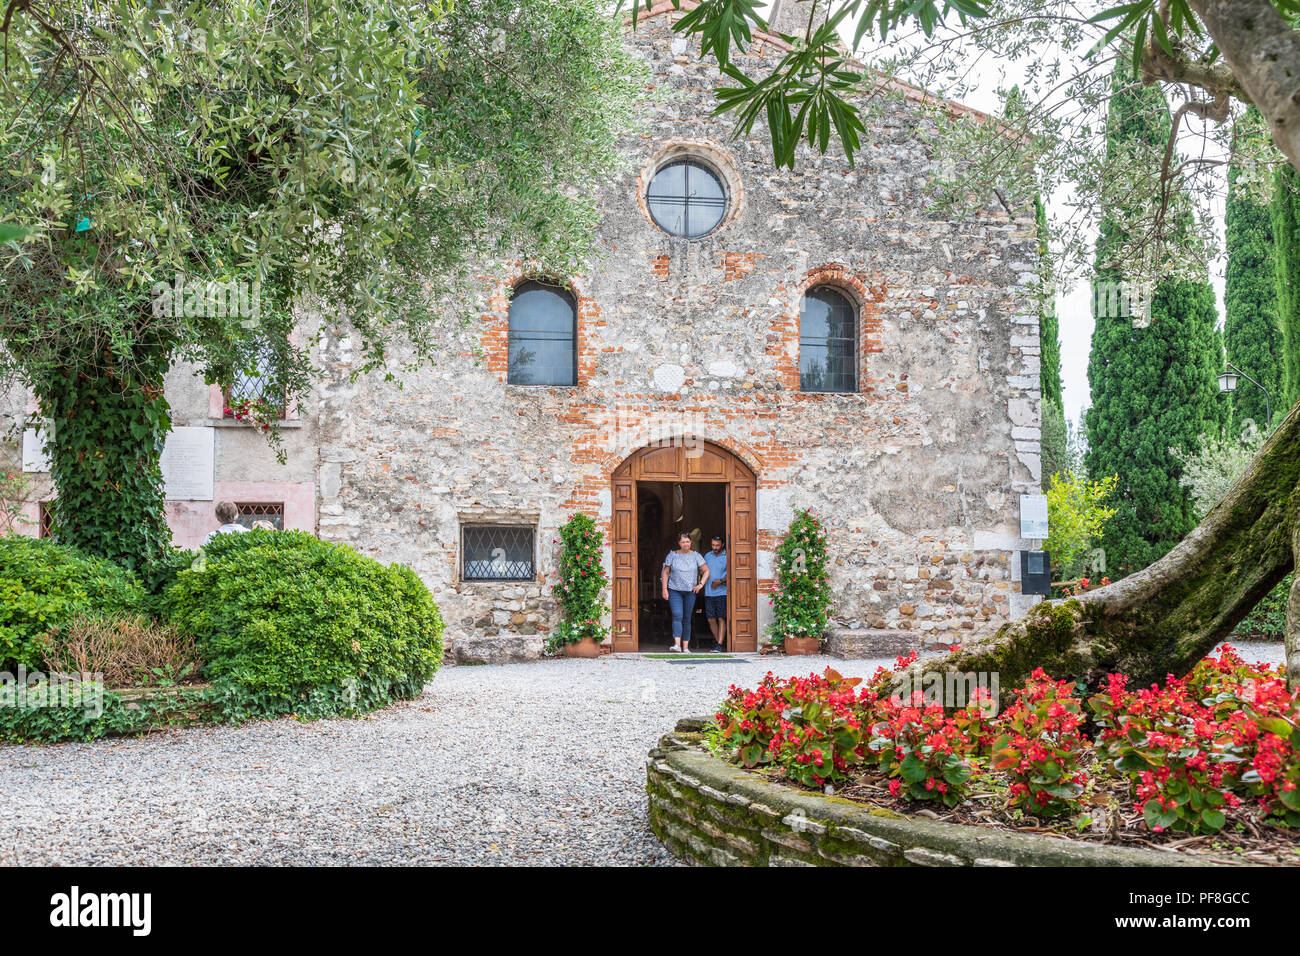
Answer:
(1212, 819)
(13, 233)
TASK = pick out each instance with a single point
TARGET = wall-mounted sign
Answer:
(1033, 516)
(187, 460)
(34, 457)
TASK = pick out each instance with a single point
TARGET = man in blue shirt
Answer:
(715, 593)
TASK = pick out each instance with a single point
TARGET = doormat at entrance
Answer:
(695, 658)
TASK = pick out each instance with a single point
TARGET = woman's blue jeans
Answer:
(682, 605)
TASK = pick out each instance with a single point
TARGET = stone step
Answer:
(853, 643)
(497, 648)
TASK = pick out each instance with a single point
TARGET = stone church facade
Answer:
(816, 338)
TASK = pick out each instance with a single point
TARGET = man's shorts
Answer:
(715, 607)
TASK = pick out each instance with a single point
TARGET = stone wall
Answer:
(916, 475)
(711, 813)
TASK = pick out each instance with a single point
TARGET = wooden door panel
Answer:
(660, 464)
(623, 544)
(742, 552)
(703, 464)
(676, 463)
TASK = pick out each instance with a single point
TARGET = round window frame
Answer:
(712, 157)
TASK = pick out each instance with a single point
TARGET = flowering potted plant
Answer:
(257, 412)
(580, 589)
(801, 601)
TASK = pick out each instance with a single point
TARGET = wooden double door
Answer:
(694, 462)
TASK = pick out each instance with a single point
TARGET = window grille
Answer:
(255, 382)
(543, 336)
(252, 512)
(497, 553)
(686, 199)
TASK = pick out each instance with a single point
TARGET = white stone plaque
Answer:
(34, 457)
(187, 460)
(1033, 516)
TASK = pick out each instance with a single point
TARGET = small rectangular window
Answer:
(251, 512)
(46, 529)
(497, 553)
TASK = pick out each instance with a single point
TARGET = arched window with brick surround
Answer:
(543, 339)
(828, 341)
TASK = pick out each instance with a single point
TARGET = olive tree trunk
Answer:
(105, 449)
(1262, 49)
(1165, 618)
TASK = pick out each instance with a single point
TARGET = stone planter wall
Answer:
(711, 813)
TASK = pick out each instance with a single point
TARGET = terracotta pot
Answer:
(583, 648)
(802, 645)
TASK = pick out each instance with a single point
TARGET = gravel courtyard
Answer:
(527, 764)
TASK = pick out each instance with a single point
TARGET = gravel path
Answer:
(526, 764)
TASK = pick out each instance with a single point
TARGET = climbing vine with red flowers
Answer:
(580, 590)
(802, 599)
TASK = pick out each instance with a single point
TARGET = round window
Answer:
(687, 199)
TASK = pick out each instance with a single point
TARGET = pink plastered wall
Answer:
(31, 510)
(191, 521)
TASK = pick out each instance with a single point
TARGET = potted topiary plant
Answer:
(802, 599)
(580, 589)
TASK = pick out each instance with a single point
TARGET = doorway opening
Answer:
(666, 509)
(657, 492)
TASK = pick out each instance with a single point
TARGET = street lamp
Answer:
(1228, 383)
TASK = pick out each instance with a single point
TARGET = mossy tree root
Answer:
(1165, 618)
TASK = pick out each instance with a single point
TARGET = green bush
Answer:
(44, 585)
(290, 624)
(159, 575)
(89, 712)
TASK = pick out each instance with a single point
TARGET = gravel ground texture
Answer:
(531, 764)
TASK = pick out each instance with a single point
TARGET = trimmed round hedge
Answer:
(44, 585)
(293, 624)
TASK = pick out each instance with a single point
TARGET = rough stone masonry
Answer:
(916, 475)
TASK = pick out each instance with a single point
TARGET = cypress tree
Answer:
(1286, 246)
(1153, 384)
(1250, 323)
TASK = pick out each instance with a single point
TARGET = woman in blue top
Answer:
(681, 582)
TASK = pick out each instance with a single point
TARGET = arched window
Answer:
(543, 335)
(828, 342)
(686, 199)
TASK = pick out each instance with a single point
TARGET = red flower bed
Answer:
(1188, 756)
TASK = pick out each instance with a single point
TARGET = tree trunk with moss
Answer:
(1165, 618)
(108, 429)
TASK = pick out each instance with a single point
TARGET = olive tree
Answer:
(176, 179)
